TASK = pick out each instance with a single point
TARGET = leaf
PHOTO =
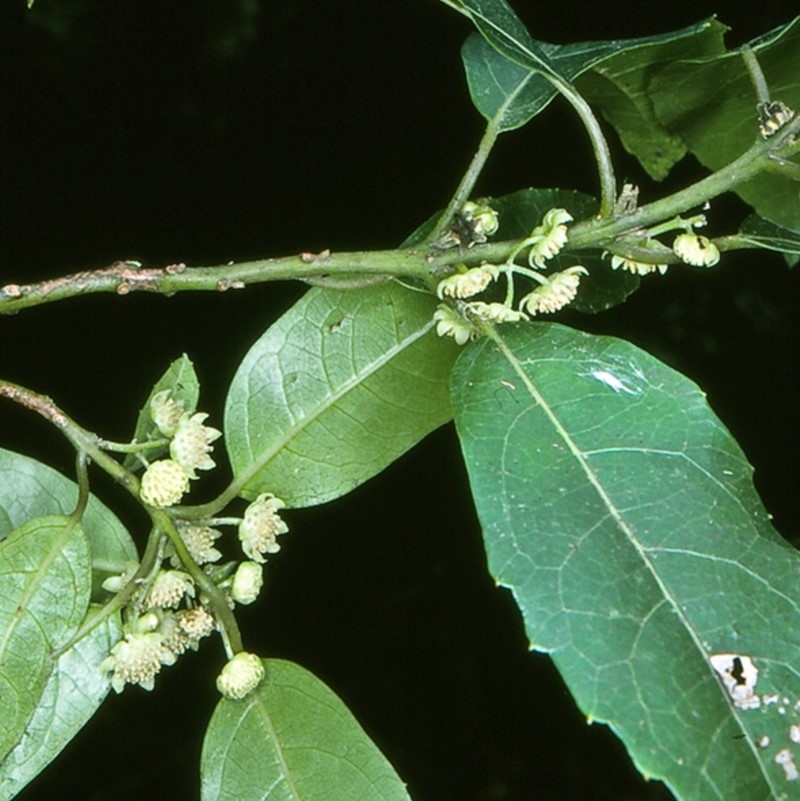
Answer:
(511, 94)
(521, 211)
(764, 234)
(73, 692)
(622, 516)
(708, 104)
(292, 739)
(46, 581)
(619, 87)
(75, 687)
(181, 381)
(338, 388)
(31, 489)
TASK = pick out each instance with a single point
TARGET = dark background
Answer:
(204, 132)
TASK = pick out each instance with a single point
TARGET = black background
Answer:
(205, 132)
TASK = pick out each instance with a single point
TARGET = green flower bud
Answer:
(240, 676)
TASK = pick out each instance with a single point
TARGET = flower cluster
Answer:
(560, 290)
(468, 283)
(166, 481)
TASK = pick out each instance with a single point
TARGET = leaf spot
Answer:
(739, 676)
(785, 759)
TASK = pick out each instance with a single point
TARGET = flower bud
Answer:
(247, 582)
(698, 251)
(240, 676)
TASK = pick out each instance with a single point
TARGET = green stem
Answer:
(462, 194)
(756, 74)
(602, 155)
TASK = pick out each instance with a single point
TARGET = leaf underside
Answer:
(61, 694)
(622, 516)
(338, 388)
(292, 739)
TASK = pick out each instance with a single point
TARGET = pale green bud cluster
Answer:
(240, 676)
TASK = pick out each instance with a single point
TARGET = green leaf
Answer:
(73, 692)
(521, 211)
(293, 739)
(46, 580)
(511, 94)
(338, 388)
(622, 516)
(181, 381)
(705, 104)
(619, 87)
(31, 489)
(764, 234)
(503, 29)
(75, 687)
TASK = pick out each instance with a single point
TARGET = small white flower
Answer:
(636, 267)
(261, 526)
(165, 412)
(560, 290)
(199, 541)
(196, 623)
(549, 237)
(495, 312)
(240, 676)
(164, 483)
(168, 589)
(696, 250)
(449, 323)
(465, 285)
(191, 444)
(136, 659)
(247, 582)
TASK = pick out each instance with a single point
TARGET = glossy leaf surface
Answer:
(511, 93)
(338, 388)
(764, 234)
(622, 516)
(45, 575)
(292, 739)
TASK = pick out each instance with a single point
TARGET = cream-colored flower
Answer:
(548, 238)
(199, 541)
(247, 582)
(699, 251)
(495, 312)
(191, 444)
(560, 290)
(165, 412)
(168, 589)
(136, 659)
(636, 267)
(465, 285)
(196, 623)
(261, 526)
(240, 676)
(449, 323)
(164, 483)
